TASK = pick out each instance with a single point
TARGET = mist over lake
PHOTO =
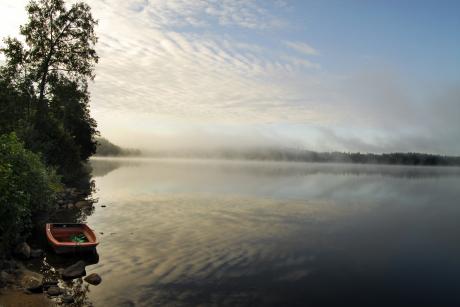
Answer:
(226, 233)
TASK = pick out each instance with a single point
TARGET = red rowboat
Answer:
(68, 238)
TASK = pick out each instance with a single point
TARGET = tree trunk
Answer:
(42, 107)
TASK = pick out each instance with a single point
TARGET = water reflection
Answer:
(189, 233)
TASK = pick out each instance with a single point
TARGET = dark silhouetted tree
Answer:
(43, 84)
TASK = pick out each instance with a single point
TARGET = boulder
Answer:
(82, 204)
(29, 280)
(34, 285)
(54, 291)
(36, 253)
(67, 299)
(75, 270)
(93, 279)
(22, 250)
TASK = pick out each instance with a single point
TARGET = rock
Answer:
(93, 279)
(54, 291)
(30, 280)
(103, 206)
(75, 270)
(67, 299)
(22, 250)
(36, 253)
(70, 206)
(82, 204)
(34, 286)
(49, 283)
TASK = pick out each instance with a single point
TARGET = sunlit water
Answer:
(213, 233)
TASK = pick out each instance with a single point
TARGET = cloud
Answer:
(167, 67)
(301, 47)
(148, 64)
(179, 13)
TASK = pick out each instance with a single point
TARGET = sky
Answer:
(368, 76)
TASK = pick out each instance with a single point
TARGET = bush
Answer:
(26, 187)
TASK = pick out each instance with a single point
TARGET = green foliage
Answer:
(56, 145)
(26, 187)
(44, 102)
(44, 81)
(70, 106)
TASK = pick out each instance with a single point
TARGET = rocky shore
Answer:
(21, 286)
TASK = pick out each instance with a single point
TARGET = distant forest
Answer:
(299, 155)
(105, 148)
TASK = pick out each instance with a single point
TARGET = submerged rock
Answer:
(93, 279)
(74, 271)
(54, 291)
(67, 299)
(22, 250)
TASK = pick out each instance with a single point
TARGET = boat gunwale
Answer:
(56, 243)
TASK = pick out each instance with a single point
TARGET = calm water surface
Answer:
(213, 233)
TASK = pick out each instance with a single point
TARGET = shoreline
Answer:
(21, 286)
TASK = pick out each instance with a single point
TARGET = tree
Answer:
(60, 45)
(70, 106)
(44, 83)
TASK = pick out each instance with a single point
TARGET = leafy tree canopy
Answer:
(44, 82)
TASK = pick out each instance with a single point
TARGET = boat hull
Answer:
(59, 235)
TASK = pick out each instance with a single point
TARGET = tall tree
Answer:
(60, 42)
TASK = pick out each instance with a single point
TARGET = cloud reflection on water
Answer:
(193, 232)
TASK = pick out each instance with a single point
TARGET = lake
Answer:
(233, 233)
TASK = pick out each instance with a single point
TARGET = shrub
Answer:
(26, 187)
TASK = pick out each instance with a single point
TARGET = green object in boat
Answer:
(80, 238)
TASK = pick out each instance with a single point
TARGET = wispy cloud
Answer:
(301, 47)
(147, 63)
(168, 67)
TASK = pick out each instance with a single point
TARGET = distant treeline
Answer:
(300, 155)
(106, 148)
